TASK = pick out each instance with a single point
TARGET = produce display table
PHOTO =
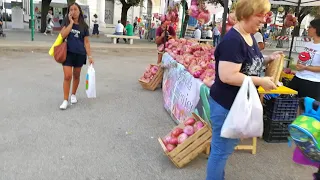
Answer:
(183, 94)
(280, 90)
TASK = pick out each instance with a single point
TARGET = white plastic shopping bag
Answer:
(245, 118)
(91, 82)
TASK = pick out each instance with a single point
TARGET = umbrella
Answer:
(298, 3)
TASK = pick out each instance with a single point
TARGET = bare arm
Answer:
(313, 68)
(229, 73)
(87, 46)
(66, 30)
(159, 38)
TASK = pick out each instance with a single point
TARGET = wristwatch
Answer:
(89, 57)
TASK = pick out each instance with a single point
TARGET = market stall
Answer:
(185, 92)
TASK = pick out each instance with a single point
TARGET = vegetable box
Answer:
(191, 147)
(156, 79)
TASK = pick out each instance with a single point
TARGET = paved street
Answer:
(112, 137)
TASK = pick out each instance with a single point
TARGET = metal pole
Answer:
(183, 16)
(293, 33)
(32, 19)
(224, 18)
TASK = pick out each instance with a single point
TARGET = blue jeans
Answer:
(221, 148)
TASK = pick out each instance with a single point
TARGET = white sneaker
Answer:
(64, 105)
(73, 99)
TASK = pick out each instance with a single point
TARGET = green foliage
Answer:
(315, 12)
(130, 2)
(71, 1)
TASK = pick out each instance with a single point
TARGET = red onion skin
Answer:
(188, 130)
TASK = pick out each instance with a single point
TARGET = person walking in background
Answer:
(76, 31)
(216, 36)
(204, 32)
(50, 24)
(60, 18)
(260, 40)
(237, 56)
(209, 33)
(95, 30)
(197, 33)
(120, 31)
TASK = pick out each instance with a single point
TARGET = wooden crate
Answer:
(191, 147)
(155, 81)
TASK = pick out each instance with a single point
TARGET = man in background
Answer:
(163, 34)
(119, 31)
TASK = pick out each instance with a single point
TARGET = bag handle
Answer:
(308, 104)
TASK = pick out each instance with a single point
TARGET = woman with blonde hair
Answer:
(237, 56)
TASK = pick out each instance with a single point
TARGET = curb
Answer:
(25, 46)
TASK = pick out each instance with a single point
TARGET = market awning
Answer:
(296, 2)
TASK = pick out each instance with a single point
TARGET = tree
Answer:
(315, 11)
(45, 5)
(184, 4)
(126, 5)
(71, 1)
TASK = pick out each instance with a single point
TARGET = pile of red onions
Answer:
(151, 70)
(179, 135)
(198, 10)
(197, 58)
(171, 15)
(290, 21)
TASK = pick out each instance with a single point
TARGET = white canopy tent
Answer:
(58, 3)
(297, 3)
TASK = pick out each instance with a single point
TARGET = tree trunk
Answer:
(124, 12)
(71, 1)
(284, 29)
(45, 5)
(185, 24)
(186, 19)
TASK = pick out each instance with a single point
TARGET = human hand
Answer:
(91, 61)
(275, 55)
(301, 67)
(71, 18)
(267, 83)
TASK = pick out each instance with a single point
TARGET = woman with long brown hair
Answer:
(76, 32)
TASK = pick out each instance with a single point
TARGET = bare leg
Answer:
(66, 82)
(159, 58)
(76, 79)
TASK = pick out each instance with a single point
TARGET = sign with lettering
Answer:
(181, 91)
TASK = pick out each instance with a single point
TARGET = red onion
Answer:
(197, 74)
(188, 130)
(182, 137)
(166, 140)
(173, 141)
(147, 74)
(176, 132)
(197, 126)
(190, 121)
(170, 147)
(154, 70)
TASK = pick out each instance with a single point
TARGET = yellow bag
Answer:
(58, 41)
